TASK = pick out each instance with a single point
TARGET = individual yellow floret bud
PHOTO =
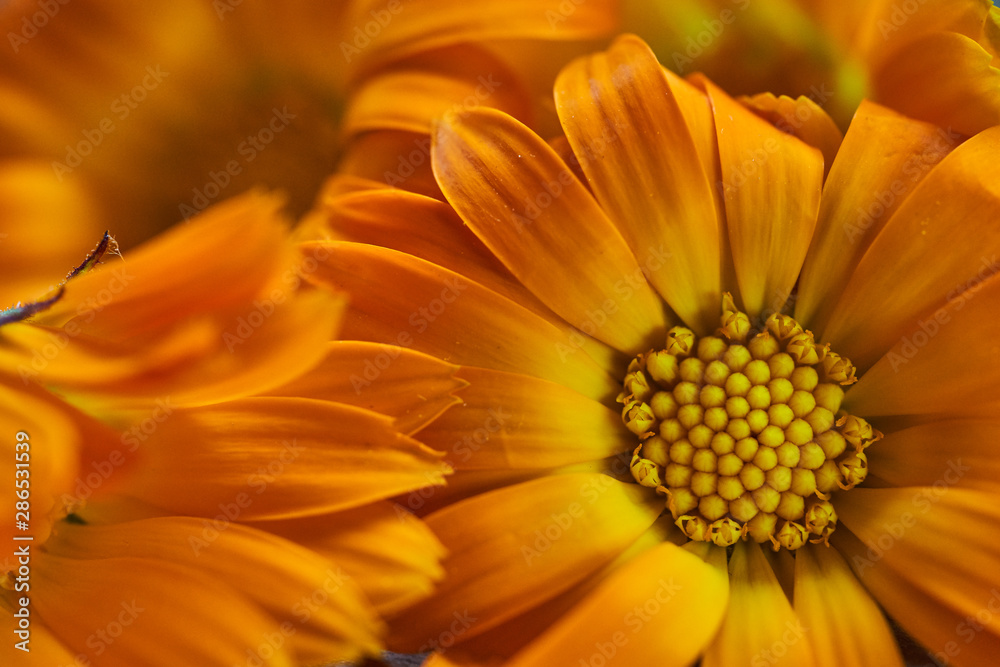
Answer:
(680, 340)
(839, 369)
(663, 367)
(638, 417)
(724, 532)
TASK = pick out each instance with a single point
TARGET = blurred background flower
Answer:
(205, 484)
(159, 109)
(934, 60)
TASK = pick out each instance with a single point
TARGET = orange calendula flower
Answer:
(934, 60)
(184, 443)
(163, 108)
(730, 395)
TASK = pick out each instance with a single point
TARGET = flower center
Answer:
(743, 432)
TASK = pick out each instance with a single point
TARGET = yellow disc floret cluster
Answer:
(743, 432)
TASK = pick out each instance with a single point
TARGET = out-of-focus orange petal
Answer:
(511, 549)
(51, 450)
(424, 87)
(391, 555)
(37, 247)
(622, 117)
(662, 608)
(163, 614)
(525, 204)
(760, 163)
(374, 30)
(510, 420)
(410, 387)
(882, 160)
(845, 625)
(238, 556)
(966, 94)
(276, 458)
(392, 157)
(402, 300)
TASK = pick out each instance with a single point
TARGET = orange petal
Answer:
(388, 553)
(391, 157)
(800, 117)
(938, 241)
(543, 224)
(135, 611)
(509, 420)
(622, 116)
(771, 182)
(402, 300)
(760, 624)
(43, 646)
(410, 95)
(845, 625)
(410, 387)
(959, 451)
(275, 458)
(296, 587)
(966, 84)
(231, 353)
(374, 30)
(882, 160)
(661, 608)
(947, 361)
(384, 217)
(194, 268)
(930, 557)
(513, 548)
